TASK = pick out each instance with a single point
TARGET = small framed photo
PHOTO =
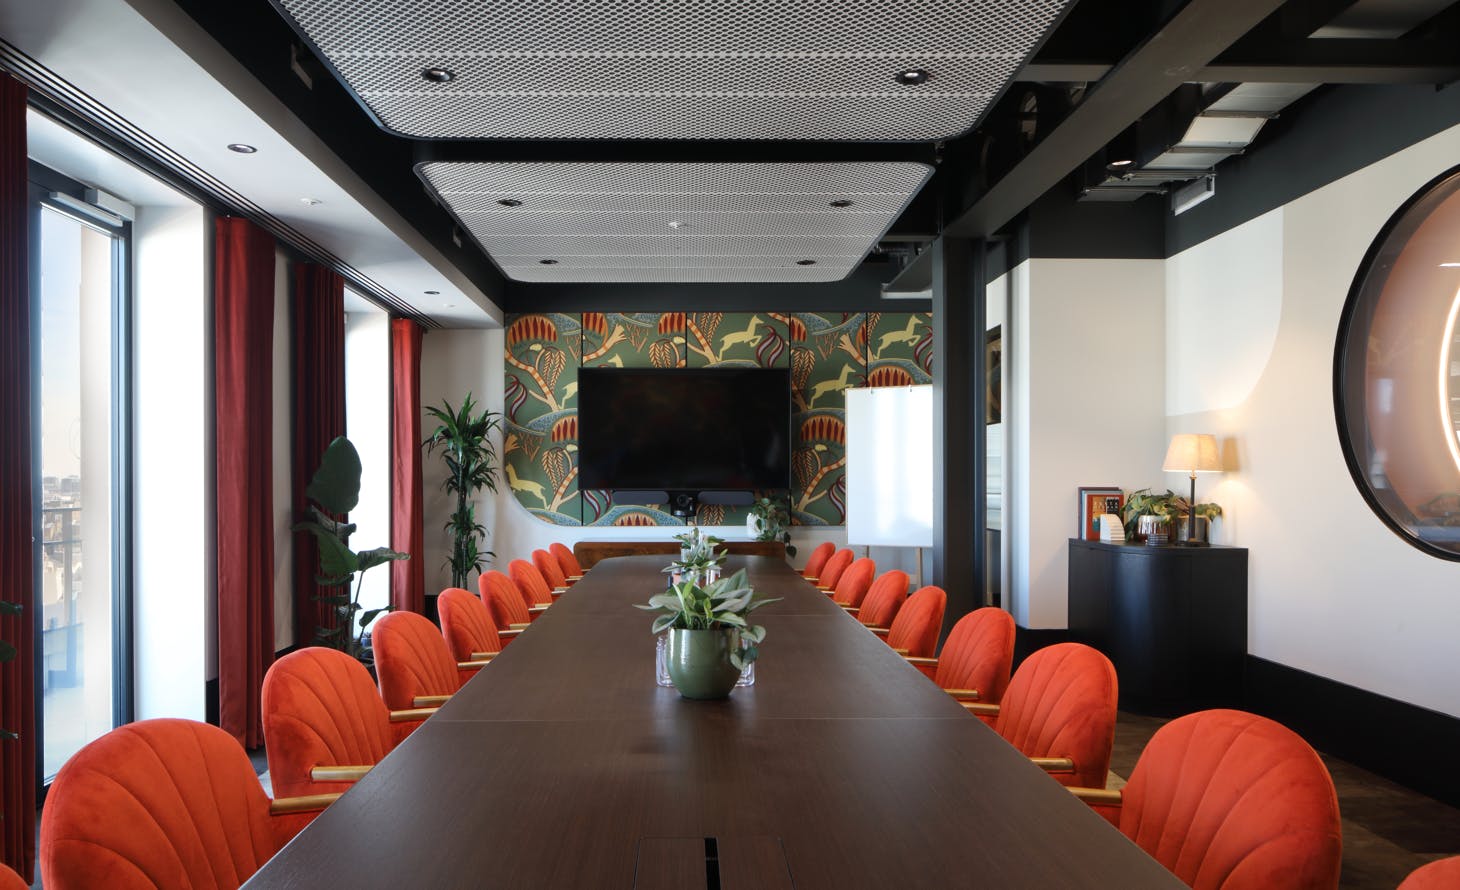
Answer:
(1095, 500)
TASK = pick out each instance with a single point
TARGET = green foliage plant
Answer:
(774, 522)
(1167, 507)
(335, 491)
(696, 553)
(464, 439)
(721, 604)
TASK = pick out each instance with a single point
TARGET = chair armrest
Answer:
(825, 589)
(483, 656)
(851, 610)
(1110, 797)
(539, 608)
(919, 659)
(338, 773)
(1054, 764)
(429, 701)
(963, 694)
(881, 631)
(572, 579)
(304, 804)
(410, 714)
(902, 652)
(515, 628)
(559, 591)
(977, 707)
(472, 665)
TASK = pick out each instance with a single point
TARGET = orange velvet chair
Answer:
(883, 600)
(506, 604)
(817, 561)
(9, 880)
(832, 571)
(567, 562)
(976, 658)
(915, 629)
(163, 803)
(1059, 711)
(324, 724)
(415, 670)
(471, 634)
(531, 584)
(1442, 874)
(1231, 801)
(547, 566)
(851, 588)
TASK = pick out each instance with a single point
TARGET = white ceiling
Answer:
(123, 59)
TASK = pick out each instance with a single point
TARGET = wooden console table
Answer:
(590, 552)
(1173, 621)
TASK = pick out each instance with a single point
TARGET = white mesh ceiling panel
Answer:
(676, 69)
(675, 222)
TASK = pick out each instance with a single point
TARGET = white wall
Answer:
(1331, 590)
(283, 432)
(367, 424)
(1086, 381)
(174, 502)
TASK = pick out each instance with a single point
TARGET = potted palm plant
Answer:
(464, 439)
(710, 639)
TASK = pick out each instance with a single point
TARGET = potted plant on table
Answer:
(710, 640)
(698, 560)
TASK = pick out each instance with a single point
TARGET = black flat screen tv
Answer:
(684, 430)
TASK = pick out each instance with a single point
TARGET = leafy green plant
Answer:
(335, 491)
(464, 438)
(696, 553)
(774, 521)
(1167, 506)
(724, 603)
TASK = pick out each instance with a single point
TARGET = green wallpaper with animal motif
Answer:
(827, 352)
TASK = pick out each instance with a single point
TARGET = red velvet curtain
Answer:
(243, 318)
(408, 577)
(17, 578)
(318, 363)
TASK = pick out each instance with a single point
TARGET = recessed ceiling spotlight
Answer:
(310, 202)
(806, 262)
(841, 202)
(913, 77)
(676, 224)
(241, 148)
(438, 75)
(1119, 164)
(450, 305)
(433, 293)
(548, 262)
(510, 202)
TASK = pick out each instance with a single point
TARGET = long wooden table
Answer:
(562, 764)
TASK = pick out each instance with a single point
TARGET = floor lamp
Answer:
(1192, 453)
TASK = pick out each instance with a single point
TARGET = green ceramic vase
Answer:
(699, 662)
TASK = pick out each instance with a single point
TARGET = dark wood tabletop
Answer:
(562, 764)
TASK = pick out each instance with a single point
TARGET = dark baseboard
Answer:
(1027, 641)
(1402, 742)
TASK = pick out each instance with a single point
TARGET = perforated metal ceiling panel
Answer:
(676, 69)
(675, 222)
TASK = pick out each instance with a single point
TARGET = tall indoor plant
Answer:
(335, 491)
(464, 439)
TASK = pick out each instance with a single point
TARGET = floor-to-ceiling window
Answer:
(79, 287)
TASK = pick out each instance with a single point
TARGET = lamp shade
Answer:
(1193, 453)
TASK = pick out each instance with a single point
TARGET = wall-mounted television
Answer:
(678, 429)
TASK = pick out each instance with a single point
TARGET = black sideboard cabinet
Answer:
(1173, 621)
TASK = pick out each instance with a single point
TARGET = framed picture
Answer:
(1095, 500)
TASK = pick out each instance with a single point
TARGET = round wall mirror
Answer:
(1397, 371)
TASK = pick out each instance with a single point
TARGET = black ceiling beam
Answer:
(1339, 60)
(1171, 56)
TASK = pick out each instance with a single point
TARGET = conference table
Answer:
(563, 764)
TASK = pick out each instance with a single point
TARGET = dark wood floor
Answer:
(1388, 830)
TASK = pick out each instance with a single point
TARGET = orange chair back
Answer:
(504, 600)
(852, 586)
(411, 659)
(9, 880)
(831, 573)
(547, 566)
(1061, 703)
(886, 596)
(915, 629)
(1442, 874)
(566, 560)
(467, 625)
(529, 581)
(160, 803)
(1230, 800)
(817, 560)
(978, 654)
(320, 708)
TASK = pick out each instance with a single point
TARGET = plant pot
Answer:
(1203, 530)
(1152, 529)
(699, 662)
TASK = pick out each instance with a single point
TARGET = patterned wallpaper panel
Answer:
(826, 352)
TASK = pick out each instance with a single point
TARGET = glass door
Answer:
(75, 310)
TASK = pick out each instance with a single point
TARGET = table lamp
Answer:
(1193, 453)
